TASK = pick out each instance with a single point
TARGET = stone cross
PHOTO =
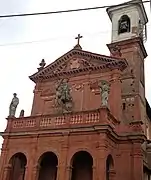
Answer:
(78, 38)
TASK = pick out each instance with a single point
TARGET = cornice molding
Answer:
(107, 63)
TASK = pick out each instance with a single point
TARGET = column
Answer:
(69, 173)
(62, 171)
(115, 95)
(22, 174)
(6, 172)
(101, 165)
(58, 172)
(3, 157)
(35, 173)
(94, 173)
(101, 153)
(137, 162)
(25, 173)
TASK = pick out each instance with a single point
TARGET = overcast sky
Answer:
(24, 41)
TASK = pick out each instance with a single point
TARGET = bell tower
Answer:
(128, 36)
(128, 21)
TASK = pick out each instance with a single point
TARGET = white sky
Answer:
(51, 36)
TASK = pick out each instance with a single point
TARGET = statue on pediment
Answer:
(63, 95)
(13, 105)
(104, 91)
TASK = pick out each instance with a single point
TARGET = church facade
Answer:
(90, 119)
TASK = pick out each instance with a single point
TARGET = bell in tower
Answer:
(124, 24)
(128, 20)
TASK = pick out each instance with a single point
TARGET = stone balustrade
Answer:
(67, 120)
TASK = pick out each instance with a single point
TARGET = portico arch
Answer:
(82, 166)
(17, 164)
(48, 163)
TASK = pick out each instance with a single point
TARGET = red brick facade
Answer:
(90, 142)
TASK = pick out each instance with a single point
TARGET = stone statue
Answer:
(13, 105)
(42, 65)
(63, 96)
(104, 90)
(21, 113)
(124, 24)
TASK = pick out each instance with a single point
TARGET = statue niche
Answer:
(124, 24)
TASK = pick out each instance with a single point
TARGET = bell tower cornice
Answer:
(137, 3)
(125, 44)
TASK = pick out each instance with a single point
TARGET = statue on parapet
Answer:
(22, 113)
(104, 91)
(13, 105)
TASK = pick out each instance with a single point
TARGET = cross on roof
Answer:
(78, 38)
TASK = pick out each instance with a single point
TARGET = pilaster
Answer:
(35, 172)
(6, 172)
(62, 172)
(137, 162)
(101, 157)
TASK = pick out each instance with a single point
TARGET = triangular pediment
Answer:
(76, 61)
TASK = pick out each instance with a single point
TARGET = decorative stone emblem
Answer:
(104, 90)
(63, 96)
(75, 64)
(116, 51)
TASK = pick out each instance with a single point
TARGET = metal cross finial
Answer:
(78, 38)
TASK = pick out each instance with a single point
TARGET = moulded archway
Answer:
(82, 166)
(109, 166)
(18, 164)
(48, 166)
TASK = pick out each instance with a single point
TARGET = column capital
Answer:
(93, 167)
(7, 167)
(58, 166)
(69, 168)
(36, 167)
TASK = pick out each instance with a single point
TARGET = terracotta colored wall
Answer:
(64, 146)
(85, 93)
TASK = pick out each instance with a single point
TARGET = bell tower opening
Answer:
(124, 24)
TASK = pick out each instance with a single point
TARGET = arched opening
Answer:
(82, 163)
(48, 166)
(124, 24)
(18, 165)
(109, 166)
